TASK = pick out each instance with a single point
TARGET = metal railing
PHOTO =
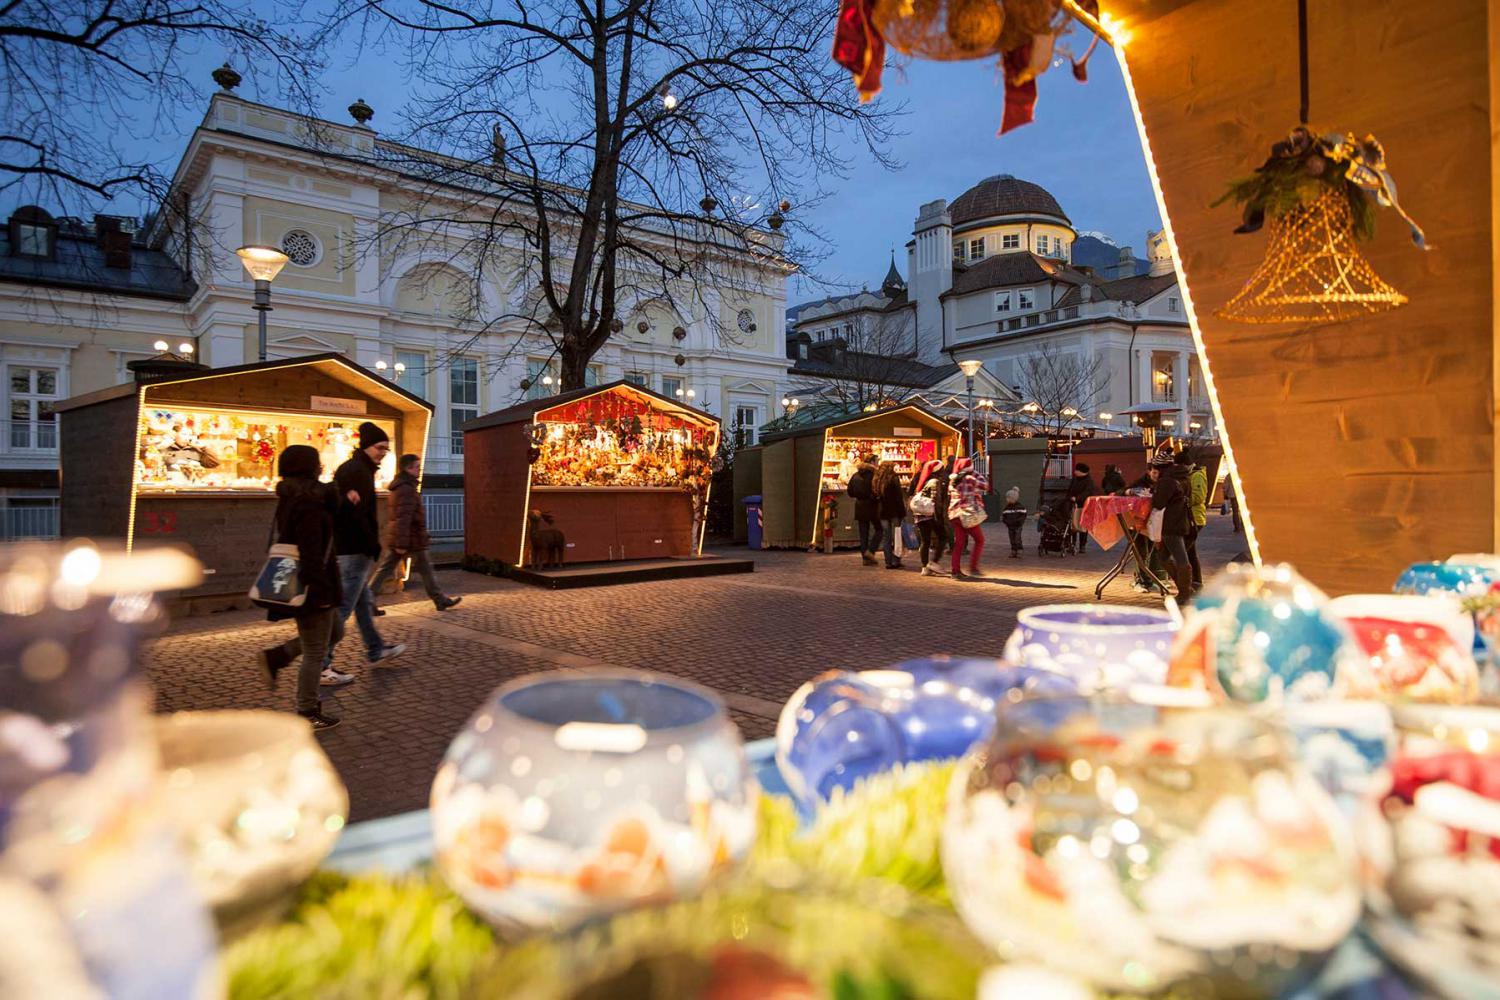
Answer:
(28, 437)
(28, 523)
(445, 513)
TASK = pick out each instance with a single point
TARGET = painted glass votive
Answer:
(1415, 648)
(1440, 855)
(1460, 579)
(1143, 847)
(573, 794)
(1098, 646)
(1262, 634)
(94, 892)
(843, 726)
(257, 804)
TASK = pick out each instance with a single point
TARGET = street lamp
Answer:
(970, 368)
(264, 264)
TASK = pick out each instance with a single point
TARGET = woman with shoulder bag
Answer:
(892, 500)
(927, 497)
(304, 518)
(966, 514)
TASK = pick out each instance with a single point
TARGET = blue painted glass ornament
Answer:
(1098, 646)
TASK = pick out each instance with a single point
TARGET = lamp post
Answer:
(264, 264)
(988, 406)
(970, 368)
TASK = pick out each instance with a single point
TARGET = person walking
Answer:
(1080, 488)
(304, 518)
(1232, 498)
(406, 534)
(1171, 496)
(1113, 481)
(887, 487)
(1014, 518)
(929, 505)
(1197, 513)
(357, 541)
(866, 508)
(966, 515)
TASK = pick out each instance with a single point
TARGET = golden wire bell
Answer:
(1313, 271)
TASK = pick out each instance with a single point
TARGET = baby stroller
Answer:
(1055, 525)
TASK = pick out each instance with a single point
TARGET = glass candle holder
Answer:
(1144, 847)
(92, 885)
(1262, 634)
(1098, 646)
(573, 794)
(1414, 648)
(256, 803)
(1437, 852)
(843, 726)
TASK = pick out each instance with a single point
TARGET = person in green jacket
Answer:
(1197, 513)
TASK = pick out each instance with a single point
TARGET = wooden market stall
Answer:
(813, 455)
(188, 456)
(622, 471)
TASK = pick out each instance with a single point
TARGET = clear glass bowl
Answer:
(257, 804)
(570, 794)
(1142, 847)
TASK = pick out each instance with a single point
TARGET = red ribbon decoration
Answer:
(859, 47)
(1020, 99)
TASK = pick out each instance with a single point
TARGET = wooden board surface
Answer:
(1366, 445)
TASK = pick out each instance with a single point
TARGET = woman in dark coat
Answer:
(866, 509)
(1172, 496)
(304, 518)
(892, 499)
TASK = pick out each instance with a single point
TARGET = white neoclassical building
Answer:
(992, 277)
(79, 299)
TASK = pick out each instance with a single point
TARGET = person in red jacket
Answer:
(406, 534)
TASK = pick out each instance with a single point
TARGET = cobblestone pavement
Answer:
(754, 638)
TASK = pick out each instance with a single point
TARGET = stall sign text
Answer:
(333, 404)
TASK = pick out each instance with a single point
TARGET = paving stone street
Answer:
(754, 638)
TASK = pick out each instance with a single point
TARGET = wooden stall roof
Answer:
(841, 416)
(335, 366)
(528, 410)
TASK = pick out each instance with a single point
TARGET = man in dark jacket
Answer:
(406, 534)
(1171, 495)
(1079, 490)
(866, 509)
(357, 541)
(304, 518)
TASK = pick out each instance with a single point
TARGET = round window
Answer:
(746, 320)
(301, 247)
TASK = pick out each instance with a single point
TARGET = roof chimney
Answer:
(113, 240)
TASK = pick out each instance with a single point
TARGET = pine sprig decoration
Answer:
(1300, 170)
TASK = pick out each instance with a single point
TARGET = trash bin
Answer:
(752, 520)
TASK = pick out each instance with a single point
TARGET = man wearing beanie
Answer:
(357, 541)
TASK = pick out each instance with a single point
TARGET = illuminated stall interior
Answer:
(189, 457)
(1367, 444)
(622, 471)
(809, 458)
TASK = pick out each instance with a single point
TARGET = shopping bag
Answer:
(1153, 526)
(898, 543)
(909, 535)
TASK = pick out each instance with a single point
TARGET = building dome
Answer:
(1004, 195)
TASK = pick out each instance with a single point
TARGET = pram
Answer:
(1056, 526)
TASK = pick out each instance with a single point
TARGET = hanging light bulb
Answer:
(668, 99)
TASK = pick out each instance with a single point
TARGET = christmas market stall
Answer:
(807, 459)
(187, 454)
(617, 471)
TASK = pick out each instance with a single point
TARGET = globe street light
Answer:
(264, 264)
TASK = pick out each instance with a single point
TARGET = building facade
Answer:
(79, 300)
(992, 278)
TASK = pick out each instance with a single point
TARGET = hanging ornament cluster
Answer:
(1319, 195)
(1022, 33)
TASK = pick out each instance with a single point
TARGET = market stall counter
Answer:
(560, 491)
(188, 456)
(807, 459)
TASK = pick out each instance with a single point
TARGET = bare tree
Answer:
(1059, 389)
(87, 86)
(872, 365)
(604, 159)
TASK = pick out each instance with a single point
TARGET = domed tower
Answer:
(1001, 214)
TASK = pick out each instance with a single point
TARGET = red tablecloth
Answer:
(1100, 521)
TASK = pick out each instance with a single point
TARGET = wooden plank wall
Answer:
(97, 468)
(1367, 445)
(495, 477)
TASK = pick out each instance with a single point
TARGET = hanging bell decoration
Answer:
(941, 29)
(1313, 271)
